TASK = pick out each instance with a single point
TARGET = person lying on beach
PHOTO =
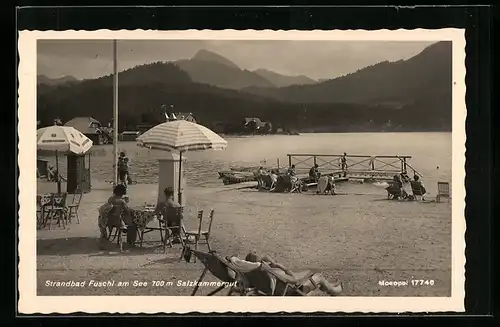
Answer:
(168, 209)
(116, 213)
(317, 280)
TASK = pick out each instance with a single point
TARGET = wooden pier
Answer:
(380, 167)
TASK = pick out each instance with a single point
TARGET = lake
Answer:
(428, 151)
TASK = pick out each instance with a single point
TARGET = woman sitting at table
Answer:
(168, 209)
(116, 213)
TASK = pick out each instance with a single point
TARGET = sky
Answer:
(85, 59)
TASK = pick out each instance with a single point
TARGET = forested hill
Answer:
(422, 102)
(426, 75)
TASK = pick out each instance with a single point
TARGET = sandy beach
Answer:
(358, 238)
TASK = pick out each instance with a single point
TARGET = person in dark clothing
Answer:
(418, 182)
(314, 173)
(129, 178)
(168, 209)
(343, 161)
(116, 213)
(122, 165)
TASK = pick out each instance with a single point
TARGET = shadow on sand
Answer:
(89, 245)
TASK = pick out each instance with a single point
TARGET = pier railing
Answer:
(363, 166)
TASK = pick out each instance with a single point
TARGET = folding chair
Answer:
(193, 237)
(74, 205)
(206, 233)
(285, 287)
(394, 192)
(443, 191)
(296, 185)
(213, 263)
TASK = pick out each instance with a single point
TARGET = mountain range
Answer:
(413, 94)
(393, 83)
(211, 68)
(208, 67)
(42, 79)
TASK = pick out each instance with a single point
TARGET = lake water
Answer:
(428, 151)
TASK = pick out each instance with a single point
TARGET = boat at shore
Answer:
(248, 174)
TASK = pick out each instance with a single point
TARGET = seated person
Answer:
(116, 213)
(406, 186)
(397, 183)
(418, 182)
(314, 173)
(260, 174)
(168, 209)
(292, 277)
(291, 171)
(53, 174)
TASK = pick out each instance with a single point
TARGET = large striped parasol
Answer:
(62, 139)
(181, 136)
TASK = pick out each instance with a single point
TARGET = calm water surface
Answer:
(428, 151)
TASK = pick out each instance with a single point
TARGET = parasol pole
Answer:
(115, 115)
(57, 175)
(179, 191)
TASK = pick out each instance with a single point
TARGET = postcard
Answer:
(241, 171)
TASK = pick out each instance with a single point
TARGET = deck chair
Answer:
(213, 263)
(285, 184)
(256, 281)
(394, 192)
(443, 191)
(228, 273)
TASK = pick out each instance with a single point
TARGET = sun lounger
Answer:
(265, 182)
(286, 184)
(394, 192)
(247, 278)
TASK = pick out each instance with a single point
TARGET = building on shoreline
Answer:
(92, 129)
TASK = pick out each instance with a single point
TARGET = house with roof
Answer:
(187, 116)
(255, 126)
(92, 129)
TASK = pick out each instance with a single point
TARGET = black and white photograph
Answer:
(322, 164)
